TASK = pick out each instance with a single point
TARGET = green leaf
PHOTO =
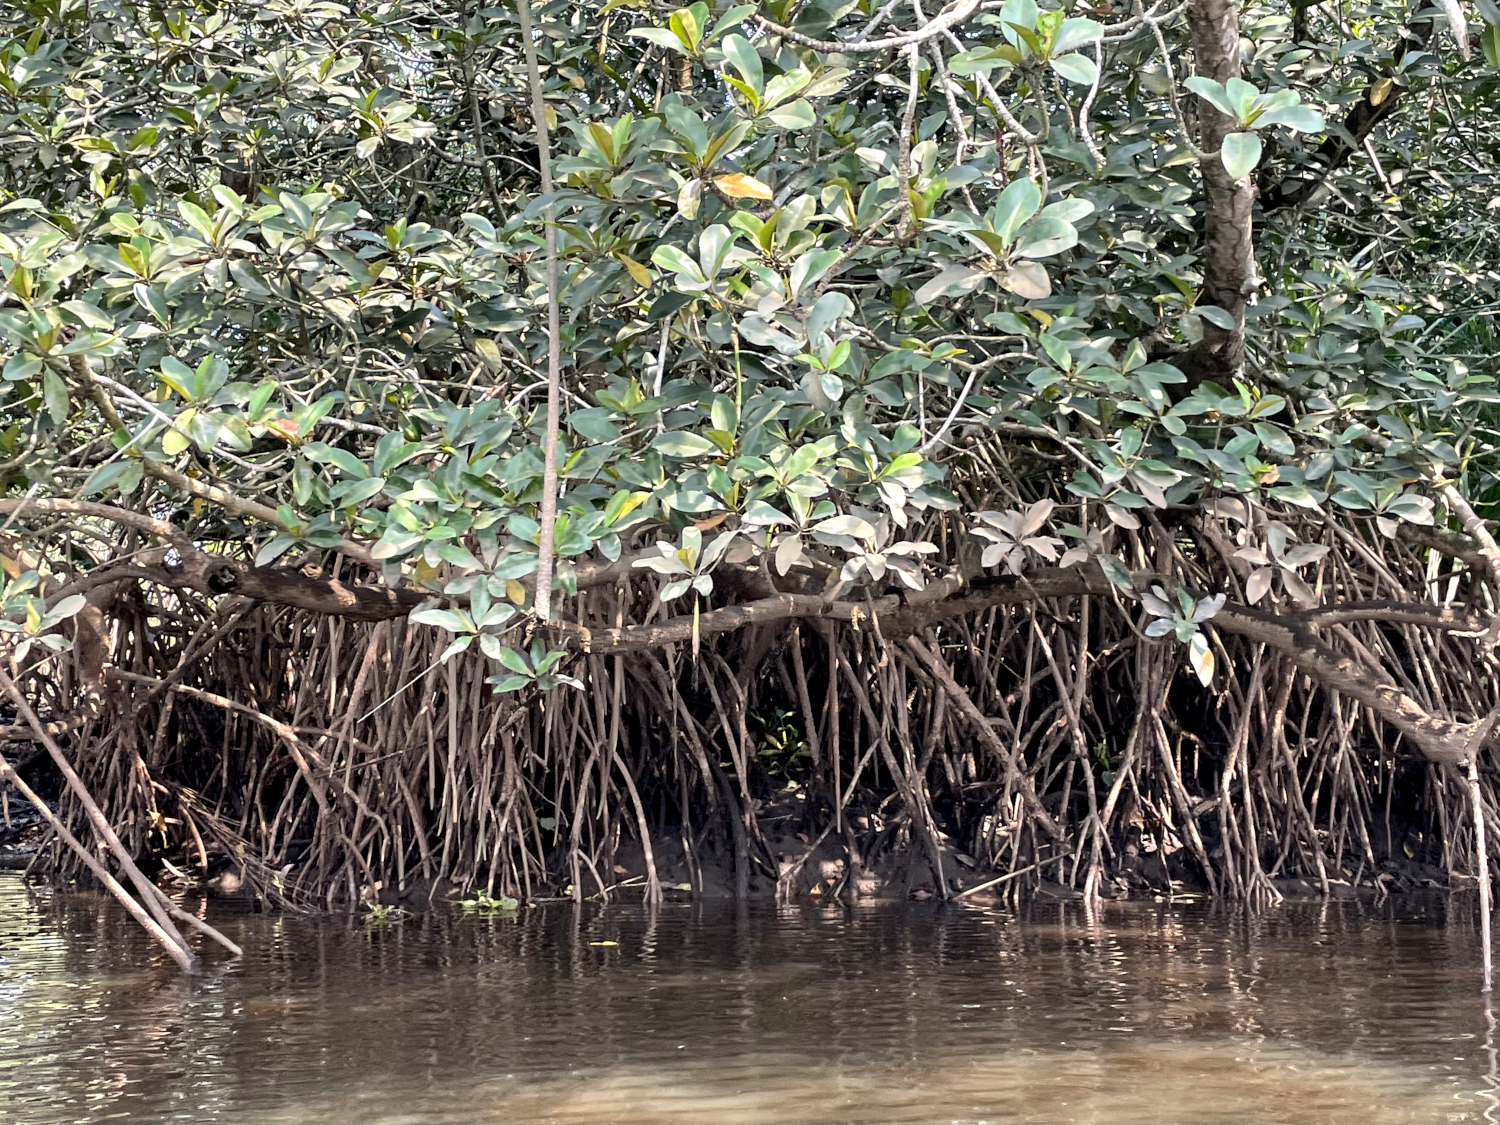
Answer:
(249, 278)
(713, 246)
(731, 19)
(259, 397)
(674, 258)
(394, 543)
(661, 37)
(797, 115)
(746, 59)
(1219, 318)
(1243, 96)
(1240, 154)
(852, 526)
(1075, 33)
(1017, 203)
(211, 374)
(109, 476)
(684, 24)
(278, 545)
(178, 376)
(981, 60)
(55, 394)
(89, 316)
(680, 443)
(1213, 93)
(21, 366)
(514, 661)
(443, 619)
(1045, 237)
(152, 301)
(63, 610)
(345, 460)
(808, 268)
(1076, 68)
(457, 555)
(593, 423)
(458, 645)
(352, 492)
(953, 279)
(1296, 117)
(1070, 210)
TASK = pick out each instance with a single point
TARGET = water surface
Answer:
(1145, 1013)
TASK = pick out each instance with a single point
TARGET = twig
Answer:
(1004, 878)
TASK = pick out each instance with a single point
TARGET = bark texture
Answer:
(1230, 278)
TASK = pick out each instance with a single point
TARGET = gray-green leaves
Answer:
(1240, 154)
(1013, 240)
(1251, 109)
(1182, 616)
(690, 565)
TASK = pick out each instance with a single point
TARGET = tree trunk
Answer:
(1230, 278)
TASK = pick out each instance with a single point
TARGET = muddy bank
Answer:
(864, 859)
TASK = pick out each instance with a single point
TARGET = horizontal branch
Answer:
(899, 614)
(1292, 635)
(240, 506)
(1443, 617)
(1439, 740)
(215, 575)
(123, 517)
(1454, 544)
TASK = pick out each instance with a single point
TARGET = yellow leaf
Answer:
(175, 441)
(737, 185)
(12, 568)
(424, 574)
(1381, 90)
(489, 352)
(1043, 318)
(515, 591)
(632, 502)
(638, 272)
(607, 943)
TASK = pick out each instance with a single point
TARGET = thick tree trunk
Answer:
(1230, 278)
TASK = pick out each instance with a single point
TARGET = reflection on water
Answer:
(1324, 1015)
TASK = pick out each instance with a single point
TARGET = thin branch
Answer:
(543, 602)
(948, 18)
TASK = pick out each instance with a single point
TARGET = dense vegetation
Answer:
(1062, 435)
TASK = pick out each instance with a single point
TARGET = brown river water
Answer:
(1156, 1014)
